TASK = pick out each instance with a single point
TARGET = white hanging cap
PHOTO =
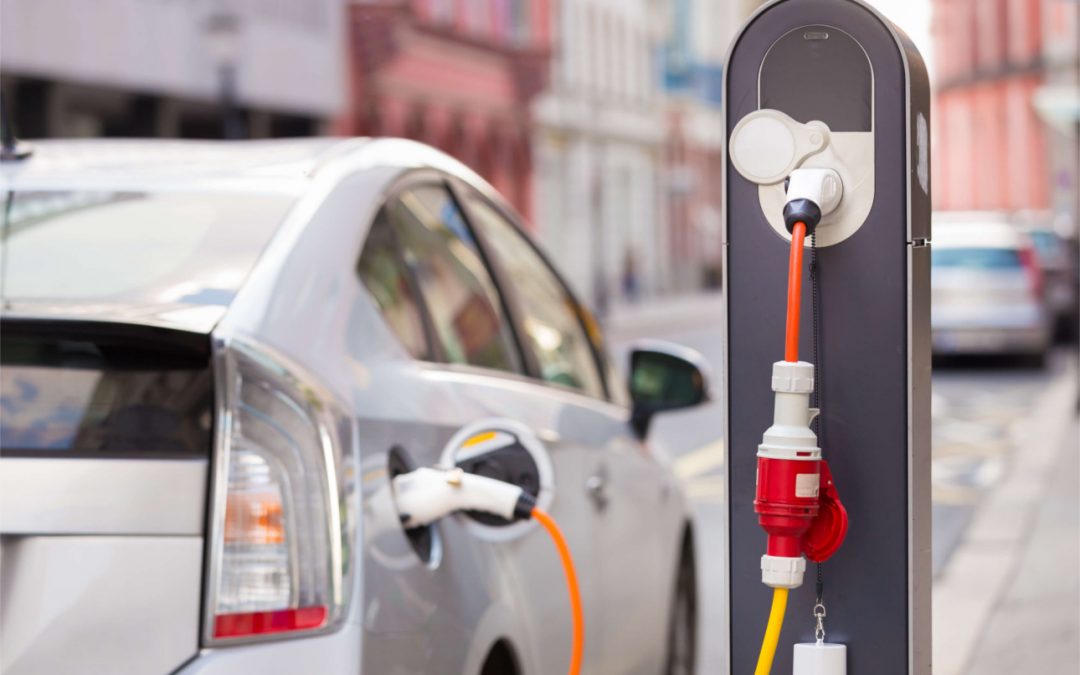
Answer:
(820, 658)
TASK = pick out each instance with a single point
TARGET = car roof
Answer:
(153, 163)
(287, 166)
(962, 217)
(978, 234)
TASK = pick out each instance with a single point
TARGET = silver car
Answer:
(987, 288)
(216, 357)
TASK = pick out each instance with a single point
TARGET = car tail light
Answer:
(1030, 261)
(282, 521)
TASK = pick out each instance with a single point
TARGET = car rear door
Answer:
(629, 496)
(424, 269)
(105, 439)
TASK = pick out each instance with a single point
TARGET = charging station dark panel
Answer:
(874, 358)
(819, 73)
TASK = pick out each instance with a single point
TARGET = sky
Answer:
(914, 17)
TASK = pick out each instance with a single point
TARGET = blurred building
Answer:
(1058, 102)
(699, 35)
(992, 148)
(456, 75)
(192, 68)
(599, 140)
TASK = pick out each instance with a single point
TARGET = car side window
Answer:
(551, 320)
(383, 272)
(457, 289)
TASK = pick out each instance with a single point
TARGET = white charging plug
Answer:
(823, 187)
(428, 494)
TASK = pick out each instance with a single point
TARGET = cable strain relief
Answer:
(524, 507)
(804, 211)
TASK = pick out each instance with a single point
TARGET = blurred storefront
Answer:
(196, 68)
(993, 148)
(1058, 103)
(699, 35)
(599, 142)
(456, 75)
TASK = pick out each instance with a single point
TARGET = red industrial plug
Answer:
(796, 500)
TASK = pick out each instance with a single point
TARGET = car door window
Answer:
(384, 274)
(551, 320)
(457, 289)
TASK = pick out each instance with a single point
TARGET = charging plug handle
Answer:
(811, 195)
(801, 211)
(428, 494)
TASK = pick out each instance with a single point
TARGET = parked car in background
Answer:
(1061, 278)
(216, 356)
(988, 294)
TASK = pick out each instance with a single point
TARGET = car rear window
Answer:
(1049, 247)
(65, 397)
(183, 248)
(976, 258)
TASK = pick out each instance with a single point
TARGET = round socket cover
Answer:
(767, 145)
(505, 450)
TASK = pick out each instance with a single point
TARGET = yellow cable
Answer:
(772, 632)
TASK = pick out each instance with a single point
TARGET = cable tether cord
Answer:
(578, 645)
(819, 386)
(791, 354)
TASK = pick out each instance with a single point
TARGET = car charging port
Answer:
(508, 452)
(509, 463)
(501, 447)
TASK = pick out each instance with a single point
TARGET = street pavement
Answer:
(1006, 600)
(1000, 467)
(1035, 624)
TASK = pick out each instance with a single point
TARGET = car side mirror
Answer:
(664, 376)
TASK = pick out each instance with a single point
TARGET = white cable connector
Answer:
(790, 436)
(427, 494)
(782, 572)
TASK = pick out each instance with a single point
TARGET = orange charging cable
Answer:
(794, 292)
(578, 646)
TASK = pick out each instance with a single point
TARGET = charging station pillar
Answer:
(841, 63)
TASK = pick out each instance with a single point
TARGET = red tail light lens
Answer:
(1030, 261)
(283, 522)
(262, 623)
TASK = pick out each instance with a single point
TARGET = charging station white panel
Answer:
(829, 128)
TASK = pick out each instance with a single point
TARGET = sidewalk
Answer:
(664, 315)
(1008, 601)
(1035, 626)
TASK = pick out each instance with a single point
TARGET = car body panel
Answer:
(58, 496)
(641, 503)
(337, 652)
(99, 604)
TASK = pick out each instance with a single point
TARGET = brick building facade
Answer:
(991, 145)
(456, 75)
